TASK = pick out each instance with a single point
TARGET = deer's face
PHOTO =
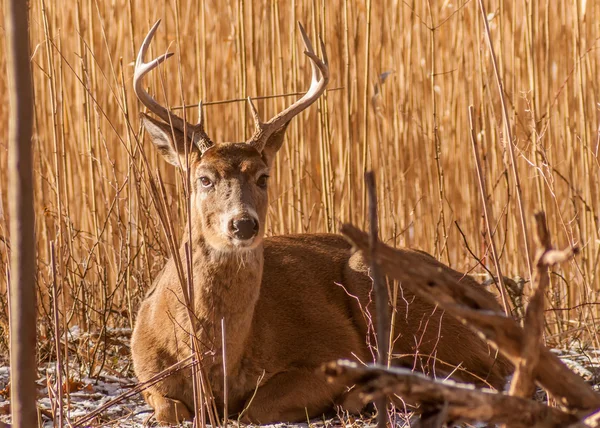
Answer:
(229, 194)
(228, 184)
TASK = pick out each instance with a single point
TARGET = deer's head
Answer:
(228, 180)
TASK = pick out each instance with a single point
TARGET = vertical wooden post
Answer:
(20, 200)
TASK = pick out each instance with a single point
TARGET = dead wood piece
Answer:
(462, 300)
(458, 402)
(523, 383)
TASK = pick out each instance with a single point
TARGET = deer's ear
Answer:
(273, 145)
(169, 142)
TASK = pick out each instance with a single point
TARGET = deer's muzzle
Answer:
(243, 228)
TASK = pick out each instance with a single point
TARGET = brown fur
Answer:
(290, 304)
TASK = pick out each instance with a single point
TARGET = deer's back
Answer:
(316, 303)
(304, 314)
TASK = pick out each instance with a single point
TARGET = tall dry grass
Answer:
(92, 196)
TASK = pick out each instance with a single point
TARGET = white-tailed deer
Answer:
(289, 303)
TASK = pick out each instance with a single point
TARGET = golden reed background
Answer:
(91, 182)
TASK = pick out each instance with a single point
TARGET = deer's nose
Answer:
(243, 228)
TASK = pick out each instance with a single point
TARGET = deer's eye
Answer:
(262, 181)
(206, 182)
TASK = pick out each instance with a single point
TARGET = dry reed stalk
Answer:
(365, 117)
(243, 111)
(130, 190)
(347, 117)
(487, 215)
(443, 247)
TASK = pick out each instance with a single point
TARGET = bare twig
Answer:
(59, 381)
(245, 100)
(194, 351)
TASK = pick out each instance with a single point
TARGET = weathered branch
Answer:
(459, 298)
(459, 402)
(523, 383)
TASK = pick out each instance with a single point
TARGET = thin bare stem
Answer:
(57, 336)
(225, 389)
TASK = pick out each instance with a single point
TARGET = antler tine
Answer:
(257, 121)
(141, 69)
(324, 52)
(198, 135)
(320, 79)
(310, 50)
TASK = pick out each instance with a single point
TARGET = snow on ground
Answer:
(115, 377)
(87, 395)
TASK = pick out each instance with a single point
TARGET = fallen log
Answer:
(468, 304)
(458, 402)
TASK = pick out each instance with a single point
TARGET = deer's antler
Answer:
(195, 132)
(320, 78)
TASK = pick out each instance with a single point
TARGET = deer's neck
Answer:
(226, 287)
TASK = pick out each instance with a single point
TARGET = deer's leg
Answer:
(292, 396)
(154, 350)
(170, 398)
(167, 410)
